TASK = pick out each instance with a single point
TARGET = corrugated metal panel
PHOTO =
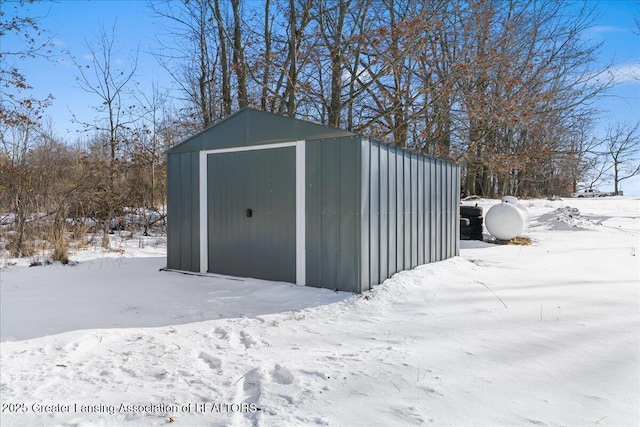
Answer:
(415, 210)
(393, 211)
(399, 196)
(182, 212)
(185, 201)
(421, 204)
(374, 215)
(383, 183)
(329, 188)
(313, 208)
(449, 211)
(173, 212)
(194, 212)
(348, 215)
(456, 203)
(442, 222)
(440, 211)
(428, 206)
(408, 210)
(445, 205)
(435, 234)
(258, 243)
(332, 214)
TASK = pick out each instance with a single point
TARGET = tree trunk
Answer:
(290, 92)
(239, 62)
(266, 74)
(337, 62)
(224, 61)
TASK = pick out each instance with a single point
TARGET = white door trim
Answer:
(301, 215)
(300, 203)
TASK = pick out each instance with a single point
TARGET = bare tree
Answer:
(224, 56)
(340, 31)
(16, 179)
(299, 18)
(267, 56)
(103, 78)
(153, 109)
(20, 114)
(495, 86)
(623, 152)
(239, 60)
(191, 56)
(22, 39)
(528, 74)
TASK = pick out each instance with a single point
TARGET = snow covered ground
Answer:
(547, 334)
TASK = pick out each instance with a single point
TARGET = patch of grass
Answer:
(522, 241)
(60, 254)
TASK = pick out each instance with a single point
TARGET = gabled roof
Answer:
(253, 127)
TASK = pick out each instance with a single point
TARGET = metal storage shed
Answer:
(270, 197)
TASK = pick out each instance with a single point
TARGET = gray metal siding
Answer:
(365, 211)
(349, 218)
(173, 212)
(262, 245)
(393, 212)
(313, 208)
(383, 183)
(415, 211)
(433, 208)
(454, 187)
(398, 192)
(332, 213)
(374, 219)
(409, 210)
(183, 225)
(421, 214)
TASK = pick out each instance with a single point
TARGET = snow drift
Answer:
(547, 334)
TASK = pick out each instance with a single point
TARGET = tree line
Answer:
(505, 88)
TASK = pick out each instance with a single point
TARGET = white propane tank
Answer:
(510, 199)
(504, 221)
(525, 213)
(514, 201)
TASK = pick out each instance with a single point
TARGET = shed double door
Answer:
(251, 212)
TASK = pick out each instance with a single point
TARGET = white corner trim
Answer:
(204, 230)
(301, 240)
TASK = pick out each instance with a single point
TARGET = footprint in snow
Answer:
(409, 415)
(282, 375)
(221, 333)
(252, 386)
(430, 390)
(213, 362)
(536, 422)
(247, 339)
(318, 374)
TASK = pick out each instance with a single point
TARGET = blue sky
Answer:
(616, 28)
(71, 22)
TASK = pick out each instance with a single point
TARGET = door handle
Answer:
(249, 213)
